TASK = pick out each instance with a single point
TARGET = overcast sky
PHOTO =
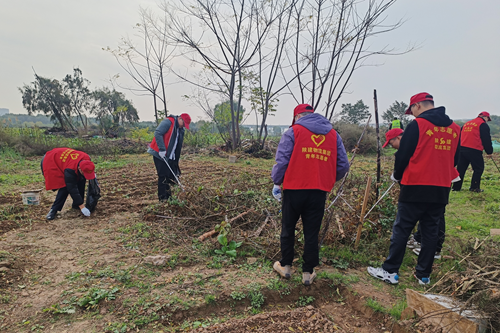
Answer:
(458, 59)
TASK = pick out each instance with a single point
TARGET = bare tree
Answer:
(224, 45)
(330, 44)
(148, 64)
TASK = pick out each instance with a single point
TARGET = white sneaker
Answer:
(437, 255)
(381, 274)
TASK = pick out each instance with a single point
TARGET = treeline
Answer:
(70, 103)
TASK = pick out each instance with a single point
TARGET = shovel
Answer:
(177, 179)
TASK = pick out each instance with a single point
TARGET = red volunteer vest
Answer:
(313, 164)
(56, 161)
(433, 159)
(166, 137)
(471, 137)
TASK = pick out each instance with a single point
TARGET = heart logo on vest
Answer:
(74, 156)
(318, 139)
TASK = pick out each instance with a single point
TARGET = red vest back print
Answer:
(433, 159)
(166, 137)
(56, 161)
(313, 164)
(471, 137)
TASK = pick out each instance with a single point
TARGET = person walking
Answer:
(166, 147)
(396, 123)
(310, 158)
(475, 137)
(67, 171)
(424, 167)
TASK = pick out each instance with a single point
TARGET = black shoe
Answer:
(51, 215)
(477, 190)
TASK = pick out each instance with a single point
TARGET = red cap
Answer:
(187, 119)
(88, 169)
(301, 108)
(485, 114)
(393, 133)
(419, 98)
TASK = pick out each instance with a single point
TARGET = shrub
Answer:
(350, 134)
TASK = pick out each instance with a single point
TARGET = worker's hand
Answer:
(393, 179)
(277, 192)
(162, 153)
(456, 179)
(490, 156)
(85, 211)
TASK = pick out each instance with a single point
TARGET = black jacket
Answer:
(407, 146)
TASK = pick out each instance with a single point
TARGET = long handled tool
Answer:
(177, 179)
(495, 163)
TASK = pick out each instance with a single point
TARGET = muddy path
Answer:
(76, 274)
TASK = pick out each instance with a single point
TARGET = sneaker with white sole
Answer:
(437, 255)
(423, 281)
(381, 274)
(285, 271)
(412, 243)
(308, 278)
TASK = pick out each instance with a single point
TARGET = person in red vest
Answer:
(424, 166)
(393, 138)
(309, 159)
(474, 139)
(167, 145)
(67, 171)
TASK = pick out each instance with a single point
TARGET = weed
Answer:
(209, 299)
(305, 300)
(376, 306)
(397, 309)
(237, 295)
(56, 309)
(256, 299)
(228, 248)
(95, 295)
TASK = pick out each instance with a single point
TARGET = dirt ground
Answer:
(50, 265)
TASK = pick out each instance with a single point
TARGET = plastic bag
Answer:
(93, 194)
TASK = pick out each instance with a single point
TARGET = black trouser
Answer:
(441, 234)
(473, 157)
(165, 177)
(409, 213)
(62, 195)
(310, 205)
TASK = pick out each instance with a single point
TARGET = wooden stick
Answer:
(213, 232)
(375, 102)
(363, 209)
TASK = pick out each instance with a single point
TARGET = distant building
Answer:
(3, 111)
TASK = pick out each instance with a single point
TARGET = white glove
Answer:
(392, 177)
(456, 180)
(162, 153)
(277, 192)
(85, 211)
